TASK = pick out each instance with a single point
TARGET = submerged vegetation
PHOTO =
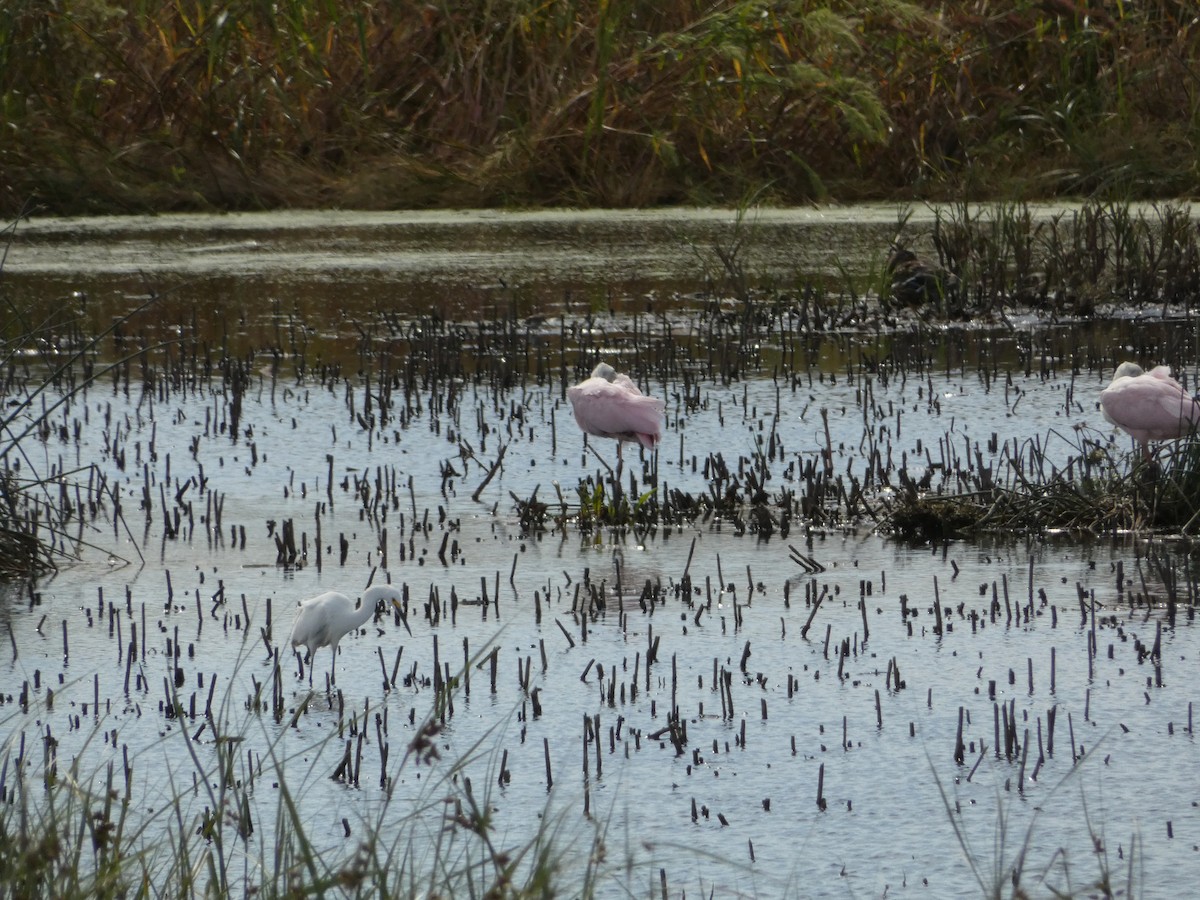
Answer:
(162, 104)
(228, 812)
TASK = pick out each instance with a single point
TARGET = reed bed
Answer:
(172, 105)
(1101, 262)
(1101, 259)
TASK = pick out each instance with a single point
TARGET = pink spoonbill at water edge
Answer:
(609, 404)
(1149, 406)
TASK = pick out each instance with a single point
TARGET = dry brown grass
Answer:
(166, 104)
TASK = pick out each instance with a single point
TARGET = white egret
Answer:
(325, 619)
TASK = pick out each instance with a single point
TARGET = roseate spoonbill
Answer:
(1149, 406)
(325, 619)
(609, 404)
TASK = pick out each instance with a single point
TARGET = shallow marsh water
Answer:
(735, 811)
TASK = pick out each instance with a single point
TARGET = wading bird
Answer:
(325, 619)
(916, 282)
(1149, 406)
(610, 405)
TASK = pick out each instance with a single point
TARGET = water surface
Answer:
(323, 306)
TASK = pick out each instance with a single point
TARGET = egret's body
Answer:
(609, 404)
(1149, 406)
(325, 619)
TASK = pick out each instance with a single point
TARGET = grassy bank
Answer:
(166, 104)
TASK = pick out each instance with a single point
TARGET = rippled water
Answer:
(735, 811)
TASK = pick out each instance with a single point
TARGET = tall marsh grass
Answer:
(47, 510)
(165, 104)
(199, 815)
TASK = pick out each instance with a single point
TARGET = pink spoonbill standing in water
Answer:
(609, 404)
(1149, 406)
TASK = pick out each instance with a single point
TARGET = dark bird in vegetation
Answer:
(915, 282)
(1149, 406)
(325, 619)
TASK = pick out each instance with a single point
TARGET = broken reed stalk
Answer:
(808, 623)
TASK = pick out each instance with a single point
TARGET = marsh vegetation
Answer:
(152, 106)
(888, 563)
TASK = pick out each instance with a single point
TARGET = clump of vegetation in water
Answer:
(1096, 492)
(47, 513)
(39, 515)
(987, 261)
(156, 106)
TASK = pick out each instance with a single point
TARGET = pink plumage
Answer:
(1149, 406)
(610, 405)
